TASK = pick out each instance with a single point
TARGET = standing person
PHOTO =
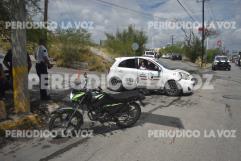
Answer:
(7, 61)
(3, 114)
(2, 82)
(42, 66)
(239, 59)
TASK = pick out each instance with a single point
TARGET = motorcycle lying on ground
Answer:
(121, 108)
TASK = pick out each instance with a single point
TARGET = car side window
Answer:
(147, 65)
(152, 66)
(129, 63)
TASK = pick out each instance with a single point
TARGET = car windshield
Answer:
(150, 53)
(222, 58)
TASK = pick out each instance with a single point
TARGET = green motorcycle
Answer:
(121, 108)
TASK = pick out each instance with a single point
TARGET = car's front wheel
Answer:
(171, 88)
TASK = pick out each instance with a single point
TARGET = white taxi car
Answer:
(149, 73)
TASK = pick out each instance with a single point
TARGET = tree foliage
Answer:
(192, 46)
(32, 8)
(126, 43)
(69, 44)
(79, 37)
(211, 54)
(175, 48)
(194, 49)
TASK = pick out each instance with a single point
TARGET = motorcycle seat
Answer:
(125, 96)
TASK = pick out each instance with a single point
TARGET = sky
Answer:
(112, 15)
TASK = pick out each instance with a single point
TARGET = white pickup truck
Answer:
(151, 54)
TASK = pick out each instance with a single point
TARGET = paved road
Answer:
(207, 109)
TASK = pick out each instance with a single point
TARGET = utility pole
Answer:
(19, 59)
(203, 30)
(45, 19)
(172, 37)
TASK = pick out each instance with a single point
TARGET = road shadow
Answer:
(160, 120)
(111, 128)
(105, 130)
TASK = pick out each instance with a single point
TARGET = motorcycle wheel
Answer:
(130, 117)
(59, 121)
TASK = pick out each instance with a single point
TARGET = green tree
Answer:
(73, 43)
(74, 36)
(16, 10)
(193, 50)
(32, 9)
(176, 48)
(211, 54)
(192, 46)
(126, 43)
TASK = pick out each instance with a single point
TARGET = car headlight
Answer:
(184, 75)
(215, 63)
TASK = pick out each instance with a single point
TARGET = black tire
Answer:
(130, 122)
(115, 84)
(171, 88)
(63, 117)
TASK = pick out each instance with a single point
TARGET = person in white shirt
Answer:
(42, 65)
(142, 66)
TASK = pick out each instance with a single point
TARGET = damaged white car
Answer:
(149, 73)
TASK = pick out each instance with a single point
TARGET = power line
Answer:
(129, 9)
(210, 13)
(185, 10)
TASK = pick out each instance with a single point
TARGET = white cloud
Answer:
(108, 18)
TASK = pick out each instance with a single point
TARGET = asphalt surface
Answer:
(207, 109)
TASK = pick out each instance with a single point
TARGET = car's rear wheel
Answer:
(171, 88)
(115, 84)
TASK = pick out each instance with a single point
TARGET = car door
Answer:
(148, 76)
(127, 70)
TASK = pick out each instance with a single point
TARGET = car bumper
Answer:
(187, 85)
(222, 66)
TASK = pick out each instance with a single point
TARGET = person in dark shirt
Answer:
(42, 66)
(7, 61)
(2, 82)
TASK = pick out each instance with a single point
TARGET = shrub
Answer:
(121, 44)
